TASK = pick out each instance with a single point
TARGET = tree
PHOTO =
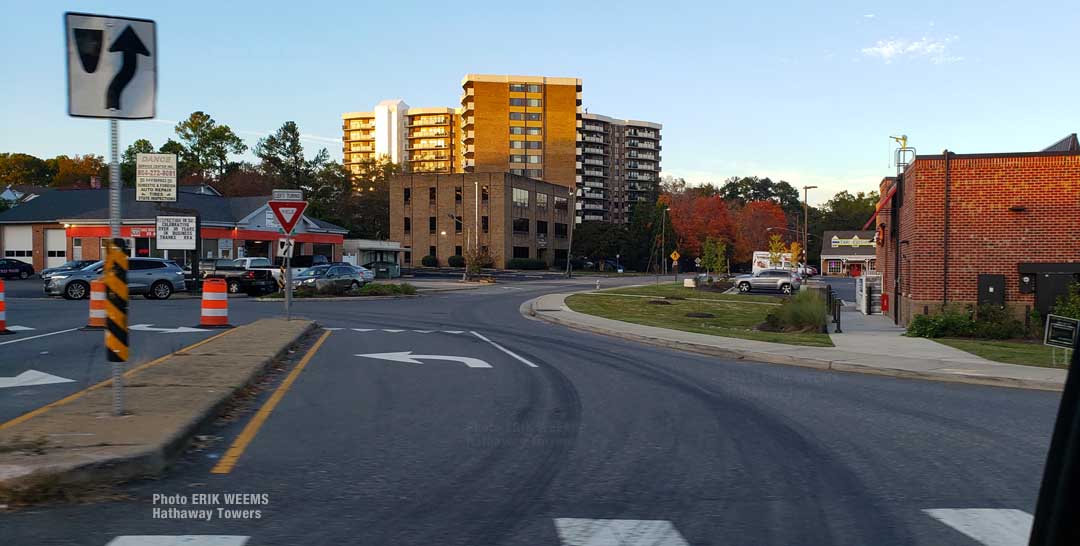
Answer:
(796, 251)
(185, 165)
(600, 240)
(77, 170)
(246, 181)
(753, 223)
(208, 144)
(368, 214)
(282, 157)
(751, 188)
(696, 218)
(713, 254)
(777, 248)
(129, 158)
(21, 168)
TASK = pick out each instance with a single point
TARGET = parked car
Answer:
(240, 280)
(66, 266)
(10, 269)
(784, 280)
(329, 279)
(154, 278)
(384, 269)
(367, 274)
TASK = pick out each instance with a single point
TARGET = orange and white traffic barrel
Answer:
(3, 311)
(215, 304)
(97, 306)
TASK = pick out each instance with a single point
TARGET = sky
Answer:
(806, 92)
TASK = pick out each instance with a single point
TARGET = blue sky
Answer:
(801, 91)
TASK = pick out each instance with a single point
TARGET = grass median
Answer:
(733, 315)
(1009, 352)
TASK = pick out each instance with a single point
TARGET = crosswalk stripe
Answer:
(989, 526)
(618, 532)
(179, 540)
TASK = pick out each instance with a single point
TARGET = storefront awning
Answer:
(881, 204)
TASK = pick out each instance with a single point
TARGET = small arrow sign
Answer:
(29, 378)
(131, 47)
(409, 358)
(150, 328)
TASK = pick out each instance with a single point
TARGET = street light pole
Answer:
(806, 223)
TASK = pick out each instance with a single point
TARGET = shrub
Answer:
(526, 263)
(373, 289)
(951, 322)
(429, 261)
(993, 322)
(456, 261)
(803, 312)
(1068, 305)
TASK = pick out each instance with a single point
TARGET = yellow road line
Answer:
(236, 450)
(80, 394)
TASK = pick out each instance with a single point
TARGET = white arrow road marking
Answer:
(989, 526)
(18, 328)
(29, 378)
(37, 336)
(453, 332)
(423, 331)
(505, 350)
(363, 329)
(331, 329)
(393, 331)
(150, 328)
(410, 358)
(618, 532)
(178, 540)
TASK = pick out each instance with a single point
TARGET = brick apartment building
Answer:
(510, 216)
(970, 229)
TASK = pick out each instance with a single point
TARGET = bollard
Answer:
(215, 304)
(598, 284)
(97, 306)
(3, 311)
(838, 330)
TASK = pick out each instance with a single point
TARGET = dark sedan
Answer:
(14, 269)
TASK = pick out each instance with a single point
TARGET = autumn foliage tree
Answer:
(753, 221)
(696, 218)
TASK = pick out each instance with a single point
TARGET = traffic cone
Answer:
(97, 306)
(3, 311)
(215, 304)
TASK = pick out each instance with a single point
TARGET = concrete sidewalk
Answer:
(78, 440)
(869, 345)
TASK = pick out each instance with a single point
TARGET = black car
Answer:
(12, 269)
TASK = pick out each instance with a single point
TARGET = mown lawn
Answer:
(664, 290)
(733, 318)
(1009, 352)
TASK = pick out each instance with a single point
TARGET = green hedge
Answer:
(990, 322)
(526, 263)
(429, 261)
(372, 289)
(805, 311)
(456, 261)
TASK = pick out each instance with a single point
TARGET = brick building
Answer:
(510, 216)
(974, 229)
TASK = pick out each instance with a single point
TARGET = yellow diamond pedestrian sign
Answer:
(675, 255)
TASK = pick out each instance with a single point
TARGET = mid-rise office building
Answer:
(620, 166)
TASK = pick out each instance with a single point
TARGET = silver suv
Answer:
(154, 278)
(783, 280)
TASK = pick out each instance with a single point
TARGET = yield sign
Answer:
(288, 213)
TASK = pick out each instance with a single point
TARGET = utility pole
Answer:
(806, 224)
(663, 240)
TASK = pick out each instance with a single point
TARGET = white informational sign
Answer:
(176, 232)
(155, 177)
(111, 66)
(271, 220)
(285, 248)
(288, 195)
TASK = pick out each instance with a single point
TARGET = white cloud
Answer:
(936, 51)
(869, 16)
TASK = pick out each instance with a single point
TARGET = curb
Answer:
(342, 298)
(152, 460)
(528, 309)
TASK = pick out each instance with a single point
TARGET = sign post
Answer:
(288, 214)
(112, 74)
(675, 263)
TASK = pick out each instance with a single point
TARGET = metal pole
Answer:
(114, 231)
(288, 289)
(570, 243)
(663, 240)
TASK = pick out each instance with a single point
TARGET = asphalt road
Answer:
(526, 448)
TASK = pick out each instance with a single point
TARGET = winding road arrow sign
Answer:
(111, 66)
(409, 358)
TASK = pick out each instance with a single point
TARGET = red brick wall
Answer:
(985, 237)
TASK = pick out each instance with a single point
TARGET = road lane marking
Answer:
(236, 450)
(30, 378)
(178, 540)
(618, 532)
(76, 395)
(504, 349)
(363, 329)
(423, 331)
(394, 331)
(17, 328)
(332, 329)
(453, 332)
(989, 526)
(409, 358)
(21, 339)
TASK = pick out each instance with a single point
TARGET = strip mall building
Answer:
(63, 225)
(972, 229)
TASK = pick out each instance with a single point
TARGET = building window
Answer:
(431, 251)
(457, 250)
(484, 223)
(534, 145)
(534, 88)
(484, 193)
(534, 173)
(536, 159)
(457, 194)
(541, 204)
(458, 224)
(541, 227)
(517, 159)
(517, 88)
(834, 266)
(517, 116)
(431, 194)
(431, 224)
(534, 131)
(408, 257)
(521, 202)
(534, 102)
(408, 194)
(560, 231)
(517, 144)
(533, 116)
(517, 130)
(521, 226)
(408, 225)
(519, 172)
(517, 102)
(521, 252)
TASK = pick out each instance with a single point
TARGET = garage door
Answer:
(55, 247)
(18, 243)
